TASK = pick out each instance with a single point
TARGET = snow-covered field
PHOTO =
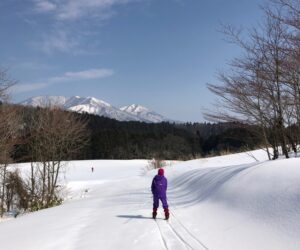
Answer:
(230, 202)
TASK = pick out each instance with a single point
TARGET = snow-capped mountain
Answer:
(92, 105)
(95, 106)
(45, 101)
(143, 113)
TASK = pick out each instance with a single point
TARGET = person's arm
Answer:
(152, 186)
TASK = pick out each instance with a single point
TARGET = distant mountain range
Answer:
(95, 106)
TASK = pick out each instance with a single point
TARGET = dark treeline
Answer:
(112, 139)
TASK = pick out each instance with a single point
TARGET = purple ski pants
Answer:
(163, 201)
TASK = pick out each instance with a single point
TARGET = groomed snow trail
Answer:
(235, 202)
(176, 236)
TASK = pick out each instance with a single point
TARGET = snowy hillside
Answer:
(98, 107)
(234, 202)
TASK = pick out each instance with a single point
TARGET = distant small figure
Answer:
(92, 169)
(159, 190)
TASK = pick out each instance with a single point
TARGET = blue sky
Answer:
(157, 53)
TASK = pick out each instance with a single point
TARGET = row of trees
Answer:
(47, 137)
(263, 85)
(51, 137)
(112, 139)
(8, 136)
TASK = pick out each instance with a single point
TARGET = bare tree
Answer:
(9, 126)
(291, 9)
(255, 90)
(156, 163)
(287, 12)
(5, 83)
(55, 136)
(16, 196)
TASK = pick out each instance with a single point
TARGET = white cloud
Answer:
(63, 36)
(58, 40)
(21, 88)
(66, 77)
(75, 9)
(44, 6)
(64, 40)
(83, 75)
(78, 8)
(90, 74)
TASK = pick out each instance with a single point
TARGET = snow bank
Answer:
(259, 202)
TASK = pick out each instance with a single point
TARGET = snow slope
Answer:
(230, 202)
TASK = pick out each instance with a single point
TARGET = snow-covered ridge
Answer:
(95, 106)
(143, 113)
(45, 101)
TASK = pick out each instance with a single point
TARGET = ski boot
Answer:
(154, 213)
(167, 214)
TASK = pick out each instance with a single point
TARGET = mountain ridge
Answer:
(92, 105)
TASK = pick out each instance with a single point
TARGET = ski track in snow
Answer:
(162, 235)
(171, 238)
(176, 236)
(186, 234)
